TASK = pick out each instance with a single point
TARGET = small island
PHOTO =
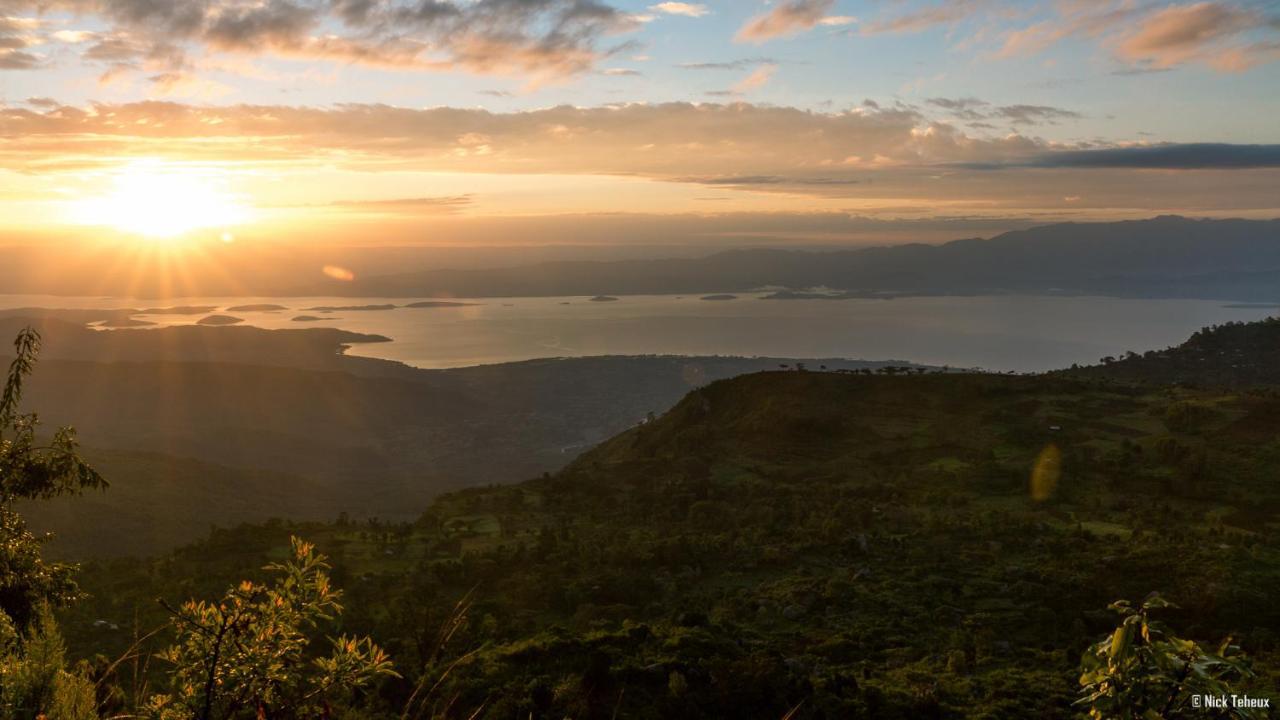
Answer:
(719, 298)
(217, 320)
(350, 308)
(312, 318)
(830, 295)
(265, 307)
(440, 304)
(124, 322)
(179, 310)
(604, 298)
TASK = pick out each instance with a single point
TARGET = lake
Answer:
(998, 333)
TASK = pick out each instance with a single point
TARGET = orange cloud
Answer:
(788, 18)
(663, 139)
(1215, 34)
(1198, 32)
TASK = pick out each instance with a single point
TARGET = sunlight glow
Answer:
(163, 201)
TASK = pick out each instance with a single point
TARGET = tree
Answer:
(248, 655)
(1142, 671)
(31, 469)
(34, 681)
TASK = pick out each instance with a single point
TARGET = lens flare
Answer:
(338, 273)
(1045, 473)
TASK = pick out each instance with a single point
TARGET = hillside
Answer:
(857, 546)
(1230, 355)
(1169, 257)
(343, 434)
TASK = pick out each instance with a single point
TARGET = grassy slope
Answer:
(866, 545)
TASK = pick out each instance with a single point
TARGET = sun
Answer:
(164, 201)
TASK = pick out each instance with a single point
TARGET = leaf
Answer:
(1120, 641)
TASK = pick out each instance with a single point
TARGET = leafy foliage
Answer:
(34, 679)
(1142, 671)
(246, 656)
(31, 470)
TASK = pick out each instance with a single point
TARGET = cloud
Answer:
(894, 156)
(925, 18)
(789, 17)
(445, 205)
(1224, 36)
(883, 157)
(962, 108)
(693, 10)
(1186, 156)
(1211, 33)
(16, 35)
(741, 64)
(747, 180)
(669, 139)
(757, 79)
(546, 39)
(1034, 114)
(973, 111)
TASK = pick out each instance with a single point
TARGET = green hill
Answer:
(856, 546)
(1234, 354)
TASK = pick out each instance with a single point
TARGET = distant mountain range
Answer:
(1167, 256)
(1164, 257)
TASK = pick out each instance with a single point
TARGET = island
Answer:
(718, 298)
(265, 307)
(350, 308)
(312, 318)
(440, 304)
(179, 310)
(124, 322)
(830, 295)
(219, 320)
(604, 298)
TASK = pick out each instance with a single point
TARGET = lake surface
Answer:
(999, 333)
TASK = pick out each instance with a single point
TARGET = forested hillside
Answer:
(821, 544)
(1236, 355)
(222, 425)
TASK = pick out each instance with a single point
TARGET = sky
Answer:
(507, 121)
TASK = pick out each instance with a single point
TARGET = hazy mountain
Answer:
(1163, 257)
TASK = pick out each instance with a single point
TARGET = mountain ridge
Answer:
(1166, 256)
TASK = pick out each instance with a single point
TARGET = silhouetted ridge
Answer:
(1235, 354)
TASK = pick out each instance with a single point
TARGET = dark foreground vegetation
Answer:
(785, 544)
